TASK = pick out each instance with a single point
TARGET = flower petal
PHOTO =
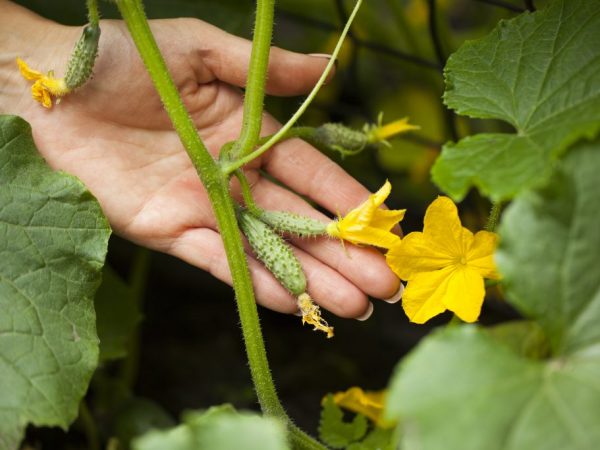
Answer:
(424, 295)
(368, 403)
(27, 72)
(414, 254)
(465, 293)
(480, 256)
(443, 229)
(387, 219)
(370, 236)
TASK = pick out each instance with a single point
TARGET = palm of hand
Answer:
(114, 135)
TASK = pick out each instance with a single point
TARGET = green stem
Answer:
(93, 13)
(217, 186)
(139, 276)
(246, 190)
(494, 216)
(86, 420)
(234, 165)
(257, 77)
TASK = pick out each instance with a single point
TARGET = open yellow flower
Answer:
(369, 224)
(367, 403)
(45, 86)
(444, 265)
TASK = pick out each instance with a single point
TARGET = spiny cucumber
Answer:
(274, 252)
(83, 57)
(340, 138)
(283, 221)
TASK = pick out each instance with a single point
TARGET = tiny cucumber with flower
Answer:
(277, 256)
(288, 222)
(348, 141)
(79, 70)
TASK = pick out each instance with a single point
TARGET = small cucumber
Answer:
(81, 63)
(273, 252)
(340, 138)
(283, 221)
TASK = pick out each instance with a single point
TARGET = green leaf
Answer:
(117, 314)
(53, 240)
(378, 439)
(539, 73)
(219, 428)
(334, 431)
(550, 252)
(466, 388)
(463, 389)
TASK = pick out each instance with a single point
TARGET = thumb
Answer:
(289, 73)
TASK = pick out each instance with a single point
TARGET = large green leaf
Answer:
(461, 389)
(469, 389)
(550, 252)
(53, 240)
(219, 428)
(539, 73)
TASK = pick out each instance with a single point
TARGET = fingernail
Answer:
(397, 296)
(320, 55)
(367, 314)
(298, 313)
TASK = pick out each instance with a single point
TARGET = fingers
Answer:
(364, 267)
(312, 174)
(203, 248)
(227, 57)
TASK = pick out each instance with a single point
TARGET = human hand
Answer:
(114, 134)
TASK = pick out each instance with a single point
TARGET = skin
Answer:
(114, 135)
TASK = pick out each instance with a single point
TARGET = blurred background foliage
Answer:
(189, 352)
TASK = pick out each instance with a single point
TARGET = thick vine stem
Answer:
(232, 166)
(257, 77)
(217, 186)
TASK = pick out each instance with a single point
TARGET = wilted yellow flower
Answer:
(311, 314)
(369, 224)
(44, 86)
(368, 403)
(444, 265)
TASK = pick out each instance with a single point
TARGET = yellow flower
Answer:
(369, 224)
(368, 403)
(379, 132)
(44, 86)
(444, 265)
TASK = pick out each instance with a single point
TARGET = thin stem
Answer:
(494, 216)
(93, 13)
(86, 420)
(138, 280)
(246, 190)
(502, 4)
(234, 165)
(217, 187)
(529, 5)
(373, 46)
(439, 52)
(257, 76)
